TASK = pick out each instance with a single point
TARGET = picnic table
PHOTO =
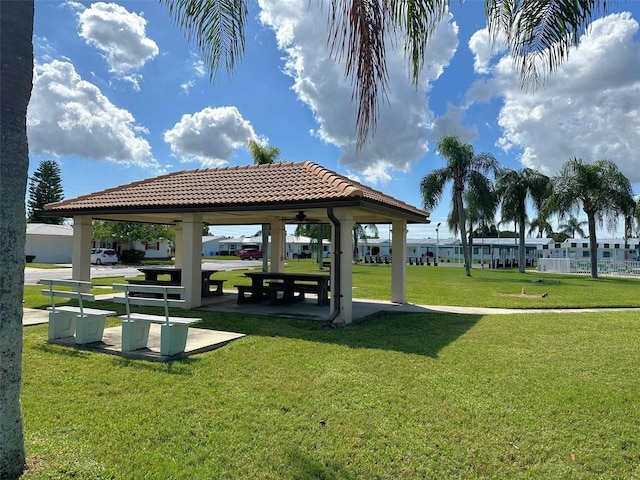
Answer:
(269, 284)
(152, 274)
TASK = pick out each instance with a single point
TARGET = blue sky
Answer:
(120, 95)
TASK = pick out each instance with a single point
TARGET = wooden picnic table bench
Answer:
(270, 284)
(135, 326)
(87, 324)
(152, 274)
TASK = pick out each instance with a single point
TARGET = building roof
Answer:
(49, 229)
(251, 192)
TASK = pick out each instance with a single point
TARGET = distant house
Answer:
(211, 245)
(295, 246)
(617, 249)
(154, 250)
(49, 243)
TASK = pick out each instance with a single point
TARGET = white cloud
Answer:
(209, 136)
(589, 108)
(70, 116)
(402, 128)
(199, 70)
(120, 35)
(451, 124)
(484, 50)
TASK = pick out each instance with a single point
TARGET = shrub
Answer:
(131, 256)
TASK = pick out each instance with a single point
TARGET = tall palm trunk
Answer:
(593, 244)
(463, 231)
(522, 257)
(16, 51)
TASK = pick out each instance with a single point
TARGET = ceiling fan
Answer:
(301, 217)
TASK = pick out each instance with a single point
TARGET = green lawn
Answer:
(534, 396)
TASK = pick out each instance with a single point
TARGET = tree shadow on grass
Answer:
(414, 333)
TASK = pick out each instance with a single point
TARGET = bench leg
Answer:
(90, 329)
(61, 324)
(135, 335)
(173, 339)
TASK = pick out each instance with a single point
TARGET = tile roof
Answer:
(285, 184)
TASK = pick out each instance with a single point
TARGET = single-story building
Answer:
(211, 245)
(49, 243)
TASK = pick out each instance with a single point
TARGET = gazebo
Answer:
(275, 194)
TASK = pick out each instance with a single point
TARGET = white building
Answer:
(49, 243)
(211, 245)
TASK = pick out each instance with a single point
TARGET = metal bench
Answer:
(87, 324)
(135, 326)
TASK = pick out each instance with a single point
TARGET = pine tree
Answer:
(45, 187)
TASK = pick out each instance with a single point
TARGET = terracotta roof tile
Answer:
(277, 183)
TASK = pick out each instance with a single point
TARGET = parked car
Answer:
(303, 254)
(101, 256)
(250, 254)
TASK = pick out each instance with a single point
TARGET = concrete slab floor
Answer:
(199, 340)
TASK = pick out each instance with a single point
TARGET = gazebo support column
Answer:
(192, 259)
(398, 261)
(278, 237)
(178, 246)
(81, 251)
(345, 257)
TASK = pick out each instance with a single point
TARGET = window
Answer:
(585, 245)
(606, 245)
(606, 254)
(616, 245)
(585, 254)
(574, 245)
(545, 247)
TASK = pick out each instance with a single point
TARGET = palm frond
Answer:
(357, 35)
(215, 26)
(540, 33)
(418, 19)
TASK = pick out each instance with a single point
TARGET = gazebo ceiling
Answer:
(246, 195)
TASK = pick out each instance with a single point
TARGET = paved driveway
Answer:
(32, 275)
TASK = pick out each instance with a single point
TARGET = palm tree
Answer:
(466, 171)
(262, 154)
(479, 211)
(360, 233)
(542, 225)
(16, 51)
(600, 188)
(515, 187)
(637, 214)
(573, 226)
(318, 232)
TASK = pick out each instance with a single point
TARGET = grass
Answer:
(485, 288)
(529, 396)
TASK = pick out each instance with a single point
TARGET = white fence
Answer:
(583, 267)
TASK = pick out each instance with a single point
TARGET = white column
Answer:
(81, 252)
(278, 238)
(398, 261)
(192, 259)
(345, 258)
(178, 246)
